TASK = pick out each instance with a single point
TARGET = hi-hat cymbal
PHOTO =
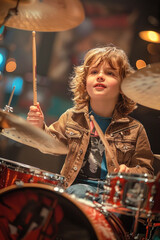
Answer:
(42, 16)
(143, 86)
(19, 130)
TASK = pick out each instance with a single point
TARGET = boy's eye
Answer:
(94, 72)
(110, 73)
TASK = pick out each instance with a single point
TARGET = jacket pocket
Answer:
(125, 146)
(125, 151)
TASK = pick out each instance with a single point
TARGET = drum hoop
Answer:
(24, 168)
(139, 177)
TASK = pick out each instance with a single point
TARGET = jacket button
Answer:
(81, 151)
(125, 147)
(75, 168)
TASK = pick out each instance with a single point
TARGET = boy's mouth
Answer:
(99, 85)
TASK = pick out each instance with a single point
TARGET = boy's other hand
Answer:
(122, 168)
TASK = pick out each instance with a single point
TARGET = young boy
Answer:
(96, 90)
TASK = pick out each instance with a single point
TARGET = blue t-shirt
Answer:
(94, 165)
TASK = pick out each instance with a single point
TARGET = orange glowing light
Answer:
(140, 64)
(11, 65)
(150, 36)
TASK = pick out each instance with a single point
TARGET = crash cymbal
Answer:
(42, 16)
(19, 130)
(143, 86)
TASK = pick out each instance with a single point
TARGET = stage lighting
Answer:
(3, 57)
(12, 81)
(150, 36)
(150, 31)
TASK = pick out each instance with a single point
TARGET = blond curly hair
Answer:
(115, 57)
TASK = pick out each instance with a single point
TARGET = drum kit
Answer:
(33, 203)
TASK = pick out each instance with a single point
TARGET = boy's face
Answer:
(103, 82)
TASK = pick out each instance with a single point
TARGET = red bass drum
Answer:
(38, 211)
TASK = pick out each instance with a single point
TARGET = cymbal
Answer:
(143, 86)
(42, 16)
(19, 130)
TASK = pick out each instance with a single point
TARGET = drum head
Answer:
(35, 211)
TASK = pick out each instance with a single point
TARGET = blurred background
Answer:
(119, 22)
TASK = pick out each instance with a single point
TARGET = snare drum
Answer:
(130, 193)
(36, 211)
(13, 172)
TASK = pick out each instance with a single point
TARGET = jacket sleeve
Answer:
(57, 131)
(143, 155)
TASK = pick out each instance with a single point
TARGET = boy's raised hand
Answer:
(35, 116)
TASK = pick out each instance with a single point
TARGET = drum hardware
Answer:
(91, 196)
(151, 226)
(132, 193)
(18, 182)
(8, 108)
(137, 196)
(118, 189)
(42, 16)
(143, 86)
(136, 219)
(151, 199)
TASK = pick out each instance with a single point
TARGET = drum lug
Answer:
(151, 202)
(59, 189)
(31, 180)
(107, 187)
(116, 197)
(19, 183)
(151, 199)
(91, 196)
(118, 188)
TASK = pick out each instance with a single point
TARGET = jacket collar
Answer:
(117, 117)
(83, 108)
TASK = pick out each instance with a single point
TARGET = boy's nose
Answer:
(100, 77)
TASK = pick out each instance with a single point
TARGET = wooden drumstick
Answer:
(105, 142)
(10, 99)
(34, 68)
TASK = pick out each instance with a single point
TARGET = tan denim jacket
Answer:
(126, 136)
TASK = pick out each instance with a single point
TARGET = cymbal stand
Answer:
(8, 108)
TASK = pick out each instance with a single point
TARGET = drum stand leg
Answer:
(136, 219)
(150, 227)
(135, 224)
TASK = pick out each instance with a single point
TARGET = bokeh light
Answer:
(11, 65)
(140, 64)
(150, 36)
